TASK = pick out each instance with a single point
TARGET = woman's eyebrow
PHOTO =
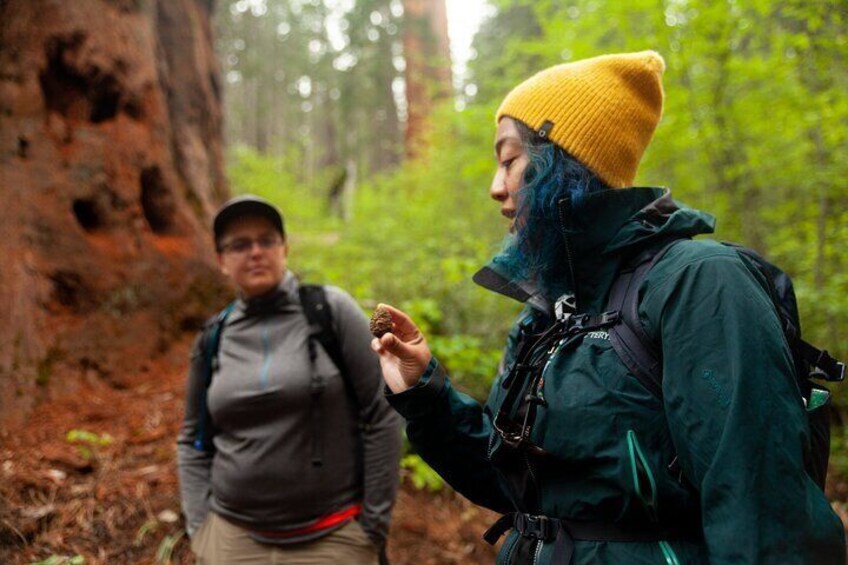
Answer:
(502, 141)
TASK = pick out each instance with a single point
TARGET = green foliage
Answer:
(421, 475)
(470, 362)
(165, 552)
(146, 529)
(274, 178)
(62, 560)
(88, 443)
(91, 438)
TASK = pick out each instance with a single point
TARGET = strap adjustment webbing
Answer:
(565, 532)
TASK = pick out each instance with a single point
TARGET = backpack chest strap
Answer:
(584, 323)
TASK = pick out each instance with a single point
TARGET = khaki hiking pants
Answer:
(219, 542)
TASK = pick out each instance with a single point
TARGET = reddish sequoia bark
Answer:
(110, 168)
(426, 49)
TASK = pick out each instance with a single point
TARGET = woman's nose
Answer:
(498, 189)
(256, 248)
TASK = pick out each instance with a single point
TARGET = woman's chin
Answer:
(258, 287)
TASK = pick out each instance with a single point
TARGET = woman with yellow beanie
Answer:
(591, 457)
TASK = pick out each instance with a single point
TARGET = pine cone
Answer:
(381, 322)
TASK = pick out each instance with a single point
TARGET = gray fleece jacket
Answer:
(261, 474)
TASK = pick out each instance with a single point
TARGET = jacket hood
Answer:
(606, 228)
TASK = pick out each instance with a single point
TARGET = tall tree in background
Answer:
(370, 80)
(315, 84)
(426, 50)
(111, 166)
(498, 62)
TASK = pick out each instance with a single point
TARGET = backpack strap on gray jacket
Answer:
(319, 315)
(313, 299)
(210, 340)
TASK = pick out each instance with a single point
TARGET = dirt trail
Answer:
(110, 493)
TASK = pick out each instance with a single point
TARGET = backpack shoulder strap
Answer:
(640, 352)
(210, 341)
(319, 315)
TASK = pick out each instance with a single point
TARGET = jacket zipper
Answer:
(266, 354)
(511, 550)
(564, 204)
(491, 445)
(538, 552)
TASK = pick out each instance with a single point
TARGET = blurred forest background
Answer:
(353, 117)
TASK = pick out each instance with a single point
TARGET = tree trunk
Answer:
(111, 167)
(428, 66)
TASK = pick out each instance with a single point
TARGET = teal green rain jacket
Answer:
(722, 452)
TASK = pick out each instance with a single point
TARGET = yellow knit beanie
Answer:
(603, 110)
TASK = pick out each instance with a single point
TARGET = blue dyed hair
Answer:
(537, 250)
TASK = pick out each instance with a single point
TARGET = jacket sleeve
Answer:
(381, 426)
(735, 414)
(194, 466)
(452, 432)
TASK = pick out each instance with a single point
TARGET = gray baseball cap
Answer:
(246, 205)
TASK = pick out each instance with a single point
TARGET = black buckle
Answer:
(841, 368)
(534, 398)
(517, 370)
(536, 527)
(577, 322)
(515, 436)
(610, 318)
(828, 368)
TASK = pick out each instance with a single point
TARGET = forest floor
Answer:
(107, 491)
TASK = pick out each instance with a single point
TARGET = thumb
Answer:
(396, 347)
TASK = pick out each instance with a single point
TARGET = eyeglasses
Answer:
(243, 245)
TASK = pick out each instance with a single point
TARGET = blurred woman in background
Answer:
(288, 452)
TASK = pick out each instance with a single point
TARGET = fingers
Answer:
(396, 314)
(389, 343)
(399, 348)
(404, 327)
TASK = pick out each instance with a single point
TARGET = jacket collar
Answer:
(283, 298)
(607, 228)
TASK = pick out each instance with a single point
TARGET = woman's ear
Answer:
(222, 265)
